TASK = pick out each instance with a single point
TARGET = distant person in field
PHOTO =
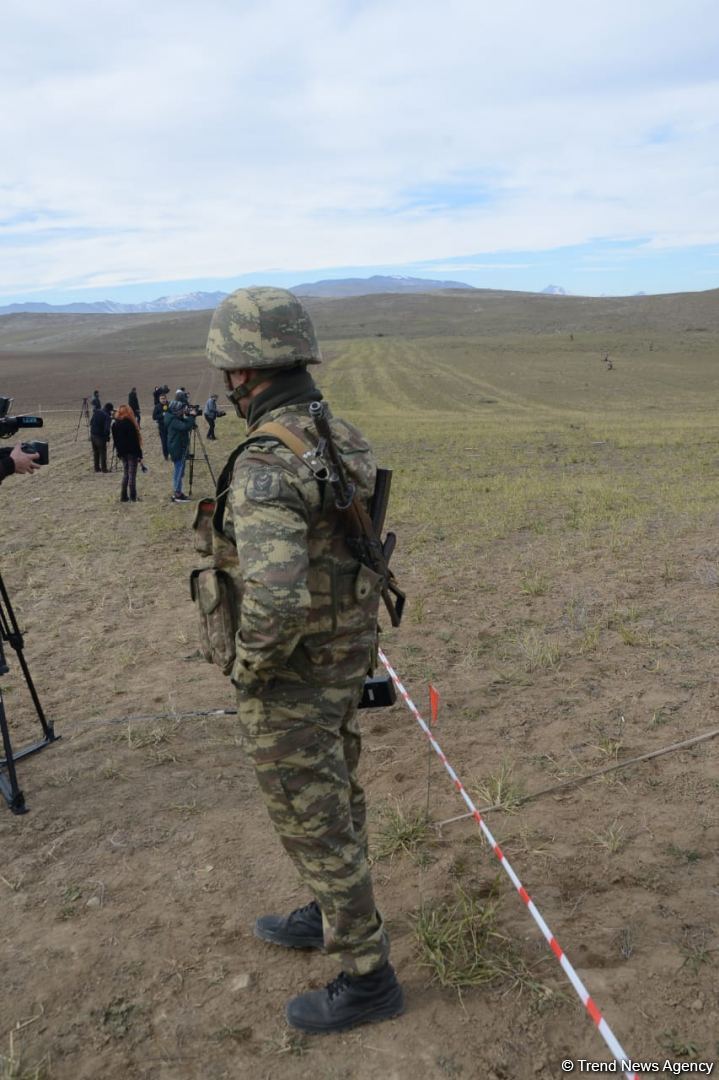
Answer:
(178, 426)
(17, 461)
(100, 425)
(158, 415)
(95, 400)
(128, 447)
(211, 414)
(134, 402)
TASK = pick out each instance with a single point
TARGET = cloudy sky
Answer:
(154, 147)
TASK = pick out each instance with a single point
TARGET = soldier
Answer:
(307, 612)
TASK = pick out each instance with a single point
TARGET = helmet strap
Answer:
(236, 395)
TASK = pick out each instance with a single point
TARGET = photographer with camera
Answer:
(212, 413)
(179, 422)
(134, 402)
(158, 415)
(25, 457)
(100, 436)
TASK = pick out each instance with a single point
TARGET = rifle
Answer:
(363, 529)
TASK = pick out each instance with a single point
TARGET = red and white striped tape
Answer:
(604, 1029)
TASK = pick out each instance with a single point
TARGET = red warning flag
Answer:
(433, 703)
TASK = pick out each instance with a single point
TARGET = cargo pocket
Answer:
(213, 592)
(202, 525)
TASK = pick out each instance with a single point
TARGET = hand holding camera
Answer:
(27, 458)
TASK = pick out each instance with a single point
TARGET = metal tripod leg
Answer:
(10, 633)
(9, 787)
(84, 414)
(204, 454)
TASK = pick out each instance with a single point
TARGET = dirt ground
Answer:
(129, 890)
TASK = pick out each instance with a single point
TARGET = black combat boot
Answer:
(301, 929)
(346, 1002)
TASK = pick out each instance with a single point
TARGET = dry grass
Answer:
(14, 1065)
(537, 651)
(459, 943)
(499, 789)
(401, 831)
(612, 839)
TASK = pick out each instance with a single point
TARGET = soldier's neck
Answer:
(293, 387)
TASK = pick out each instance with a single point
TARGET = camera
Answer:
(39, 448)
(194, 410)
(9, 425)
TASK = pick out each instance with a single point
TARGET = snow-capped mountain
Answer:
(193, 301)
(555, 290)
(378, 283)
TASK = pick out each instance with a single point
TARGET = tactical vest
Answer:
(339, 643)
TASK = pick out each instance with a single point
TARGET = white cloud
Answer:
(173, 140)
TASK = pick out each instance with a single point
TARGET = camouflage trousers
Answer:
(305, 744)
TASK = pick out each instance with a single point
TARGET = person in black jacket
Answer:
(134, 402)
(128, 446)
(158, 415)
(100, 436)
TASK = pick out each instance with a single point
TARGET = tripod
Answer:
(10, 632)
(84, 415)
(190, 456)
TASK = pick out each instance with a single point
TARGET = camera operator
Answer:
(18, 462)
(158, 415)
(179, 422)
(100, 436)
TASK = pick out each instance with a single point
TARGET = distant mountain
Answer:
(207, 301)
(194, 301)
(555, 290)
(378, 283)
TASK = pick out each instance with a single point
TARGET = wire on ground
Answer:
(685, 744)
(604, 1029)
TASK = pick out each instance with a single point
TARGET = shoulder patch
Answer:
(263, 485)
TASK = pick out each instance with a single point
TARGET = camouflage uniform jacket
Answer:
(306, 605)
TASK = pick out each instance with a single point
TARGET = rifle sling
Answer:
(299, 447)
(285, 436)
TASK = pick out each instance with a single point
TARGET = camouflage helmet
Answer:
(261, 327)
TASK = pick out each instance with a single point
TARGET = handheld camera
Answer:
(10, 425)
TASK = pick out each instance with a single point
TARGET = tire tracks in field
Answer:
(412, 375)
